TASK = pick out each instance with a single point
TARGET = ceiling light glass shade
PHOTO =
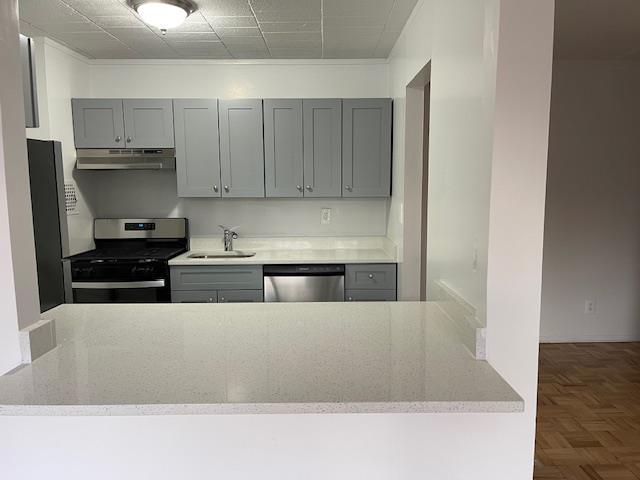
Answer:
(163, 14)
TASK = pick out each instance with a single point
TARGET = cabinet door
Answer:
(322, 147)
(148, 123)
(366, 154)
(240, 296)
(241, 148)
(197, 148)
(98, 123)
(283, 148)
(371, 276)
(194, 296)
(370, 295)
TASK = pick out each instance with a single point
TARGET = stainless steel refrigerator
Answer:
(46, 177)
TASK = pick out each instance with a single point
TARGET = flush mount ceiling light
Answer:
(163, 14)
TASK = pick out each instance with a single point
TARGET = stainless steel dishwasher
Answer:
(304, 283)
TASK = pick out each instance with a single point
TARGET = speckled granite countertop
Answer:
(291, 250)
(254, 358)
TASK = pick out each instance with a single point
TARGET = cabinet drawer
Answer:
(240, 296)
(370, 295)
(371, 277)
(202, 296)
(216, 278)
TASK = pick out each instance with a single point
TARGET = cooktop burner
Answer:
(130, 253)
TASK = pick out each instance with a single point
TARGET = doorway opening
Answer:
(416, 186)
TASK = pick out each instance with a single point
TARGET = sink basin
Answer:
(233, 254)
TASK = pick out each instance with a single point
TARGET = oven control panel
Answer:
(139, 227)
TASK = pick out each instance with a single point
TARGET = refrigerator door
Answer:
(49, 219)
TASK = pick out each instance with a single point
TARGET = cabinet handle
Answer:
(309, 188)
(350, 299)
(348, 188)
(118, 138)
(299, 187)
(222, 299)
(129, 139)
(215, 188)
(211, 300)
(371, 275)
(226, 188)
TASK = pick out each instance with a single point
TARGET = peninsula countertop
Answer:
(171, 359)
(292, 250)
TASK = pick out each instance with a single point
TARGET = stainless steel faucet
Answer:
(228, 236)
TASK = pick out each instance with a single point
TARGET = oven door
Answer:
(147, 291)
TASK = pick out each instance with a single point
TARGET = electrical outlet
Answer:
(325, 216)
(589, 306)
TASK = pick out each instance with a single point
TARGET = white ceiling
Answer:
(597, 30)
(224, 29)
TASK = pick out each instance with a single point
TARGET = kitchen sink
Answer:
(232, 254)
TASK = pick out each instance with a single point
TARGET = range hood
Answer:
(126, 159)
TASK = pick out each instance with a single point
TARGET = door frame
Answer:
(413, 276)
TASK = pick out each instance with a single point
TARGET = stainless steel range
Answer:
(130, 261)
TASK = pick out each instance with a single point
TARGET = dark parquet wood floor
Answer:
(588, 412)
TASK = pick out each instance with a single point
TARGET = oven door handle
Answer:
(120, 285)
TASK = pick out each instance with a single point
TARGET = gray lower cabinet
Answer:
(241, 148)
(216, 277)
(366, 147)
(370, 295)
(371, 282)
(322, 125)
(98, 123)
(197, 148)
(283, 153)
(221, 284)
(148, 123)
(199, 296)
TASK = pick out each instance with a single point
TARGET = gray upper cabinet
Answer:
(148, 123)
(366, 153)
(241, 148)
(98, 123)
(283, 159)
(197, 148)
(322, 122)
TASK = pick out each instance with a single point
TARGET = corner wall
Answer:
(62, 74)
(490, 88)
(592, 229)
(18, 279)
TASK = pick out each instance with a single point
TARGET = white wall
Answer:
(491, 78)
(516, 217)
(18, 281)
(62, 74)
(592, 230)
(461, 43)
(154, 193)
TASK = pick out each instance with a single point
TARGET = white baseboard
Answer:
(580, 338)
(464, 315)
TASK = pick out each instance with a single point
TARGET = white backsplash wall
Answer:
(153, 194)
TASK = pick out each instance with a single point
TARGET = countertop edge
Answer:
(489, 406)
